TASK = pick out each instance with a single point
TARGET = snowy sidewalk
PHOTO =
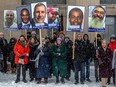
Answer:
(8, 80)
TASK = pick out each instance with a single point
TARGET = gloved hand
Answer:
(21, 56)
(27, 55)
(58, 54)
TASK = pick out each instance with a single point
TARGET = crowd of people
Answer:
(54, 58)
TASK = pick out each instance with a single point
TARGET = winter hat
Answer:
(47, 37)
(33, 32)
(113, 37)
(66, 36)
(61, 32)
(98, 35)
(59, 38)
(1, 33)
(51, 10)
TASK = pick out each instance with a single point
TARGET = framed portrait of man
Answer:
(23, 17)
(39, 15)
(10, 20)
(53, 18)
(96, 18)
(75, 18)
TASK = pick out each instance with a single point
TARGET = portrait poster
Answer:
(96, 18)
(39, 15)
(10, 20)
(23, 17)
(75, 18)
(53, 18)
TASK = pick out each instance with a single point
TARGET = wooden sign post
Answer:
(73, 53)
(40, 37)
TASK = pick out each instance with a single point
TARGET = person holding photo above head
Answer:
(21, 50)
(25, 17)
(76, 17)
(79, 59)
(59, 62)
(42, 62)
(39, 14)
(104, 57)
(98, 14)
(9, 23)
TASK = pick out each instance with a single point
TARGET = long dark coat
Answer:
(43, 70)
(59, 63)
(104, 57)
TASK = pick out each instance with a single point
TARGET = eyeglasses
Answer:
(100, 12)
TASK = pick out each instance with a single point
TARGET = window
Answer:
(24, 2)
(107, 1)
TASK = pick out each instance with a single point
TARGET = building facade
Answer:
(62, 5)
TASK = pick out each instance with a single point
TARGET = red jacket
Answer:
(20, 50)
(112, 46)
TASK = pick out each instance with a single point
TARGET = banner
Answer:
(10, 20)
(75, 18)
(53, 18)
(96, 19)
(23, 17)
(39, 15)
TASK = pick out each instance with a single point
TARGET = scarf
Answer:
(23, 44)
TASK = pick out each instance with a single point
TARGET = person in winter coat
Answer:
(97, 44)
(11, 54)
(21, 50)
(33, 46)
(88, 56)
(59, 62)
(68, 43)
(79, 59)
(112, 46)
(42, 63)
(104, 57)
(4, 49)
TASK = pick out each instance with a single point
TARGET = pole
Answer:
(25, 32)
(52, 33)
(73, 45)
(10, 33)
(40, 37)
(96, 39)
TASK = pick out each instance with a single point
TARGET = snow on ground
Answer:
(8, 80)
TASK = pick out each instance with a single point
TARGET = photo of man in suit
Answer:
(25, 18)
(40, 14)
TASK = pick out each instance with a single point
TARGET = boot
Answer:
(57, 80)
(24, 80)
(17, 80)
(31, 79)
(39, 81)
(97, 80)
(45, 80)
(88, 80)
(76, 82)
(62, 80)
